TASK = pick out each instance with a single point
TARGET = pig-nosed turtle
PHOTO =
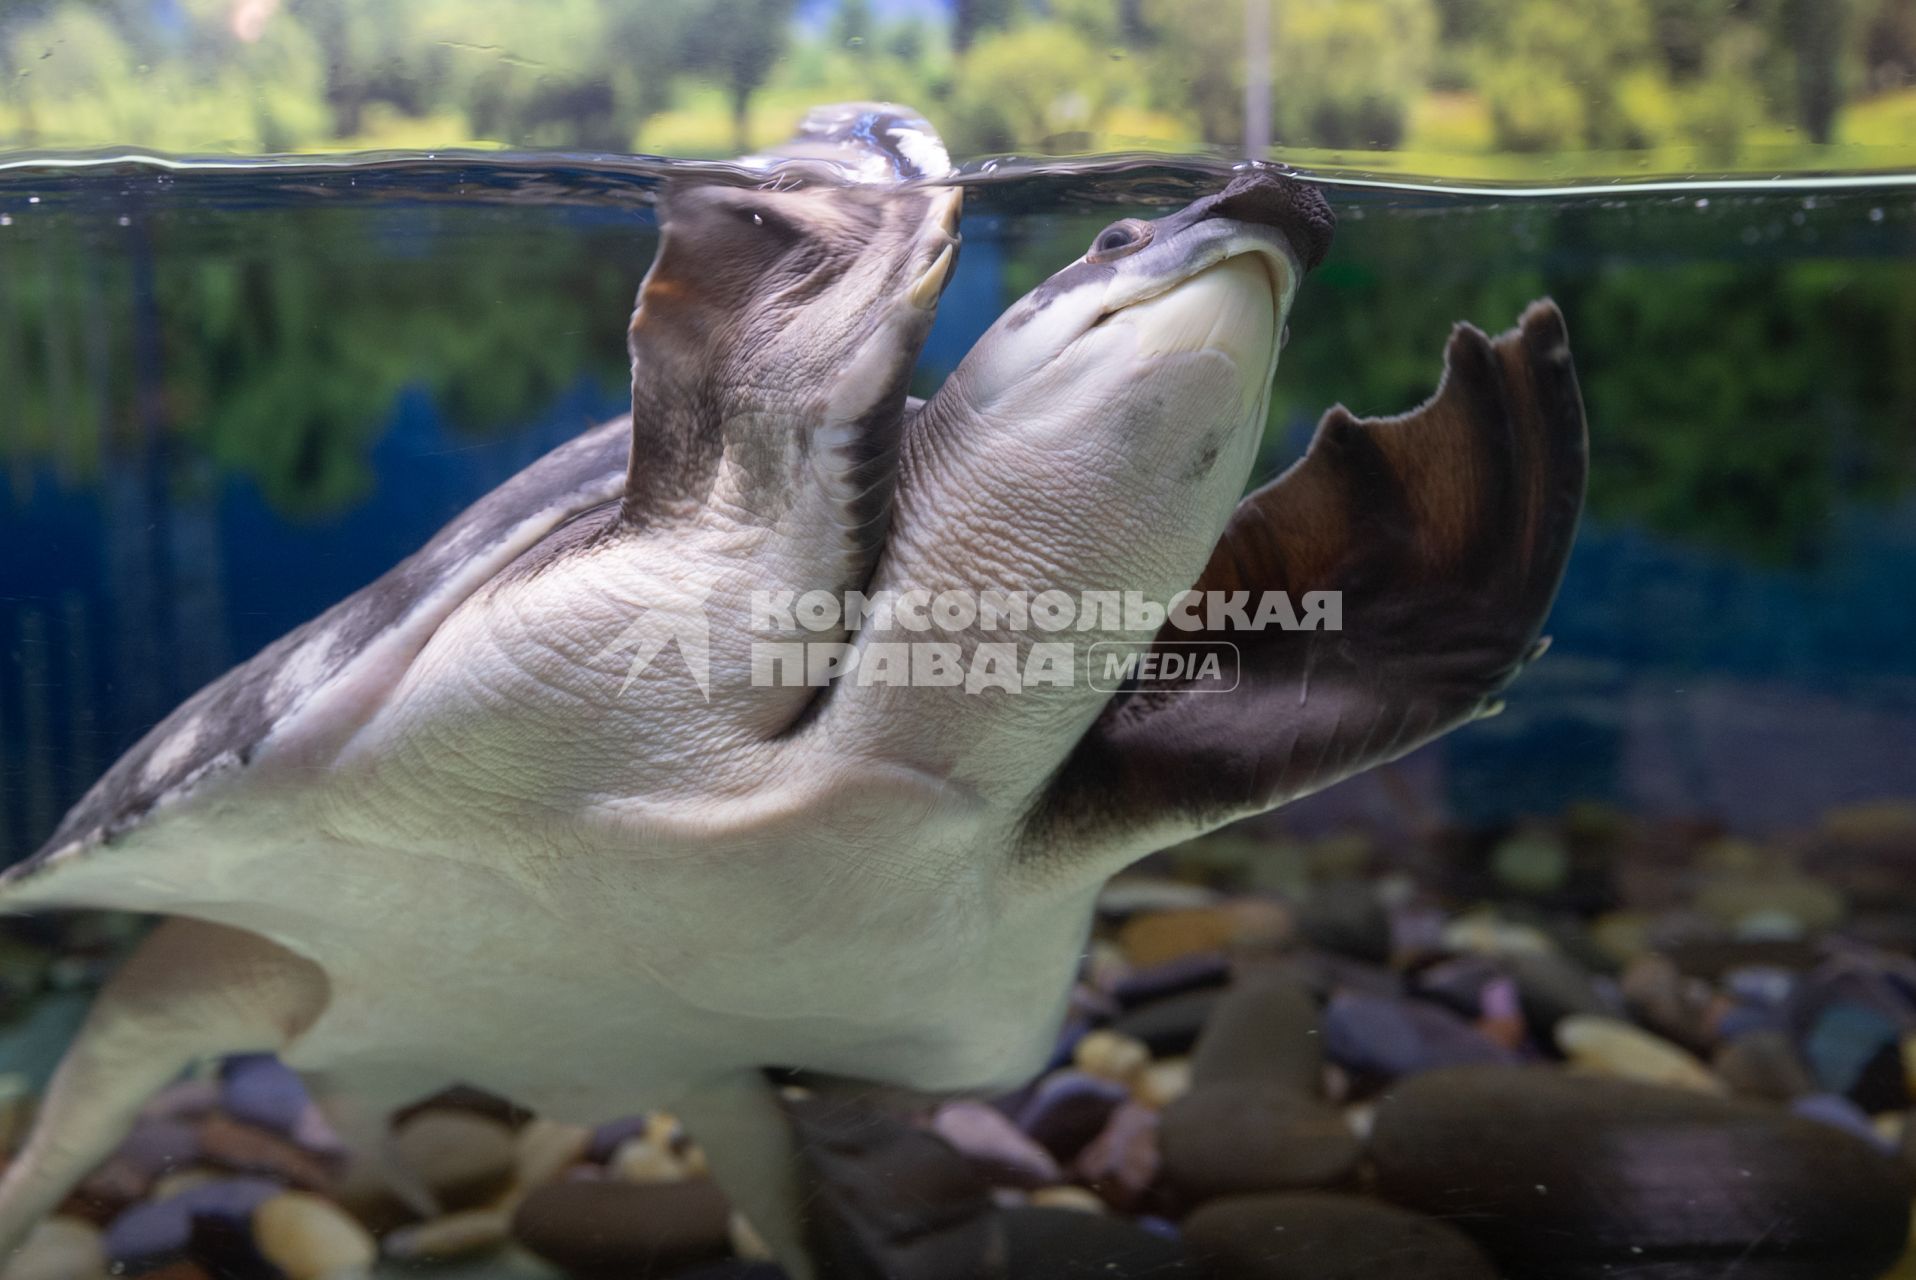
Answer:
(492, 847)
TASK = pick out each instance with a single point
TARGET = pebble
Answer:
(310, 1238)
(1163, 1082)
(1388, 1037)
(1615, 1048)
(1667, 1001)
(243, 1148)
(1347, 918)
(1199, 972)
(464, 1158)
(623, 1229)
(1485, 934)
(1169, 1026)
(59, 1248)
(1068, 1109)
(158, 1230)
(546, 1147)
(1122, 1162)
(451, 1235)
(1763, 1064)
(1066, 1196)
(641, 1159)
(1264, 1029)
(1112, 1055)
(1839, 1112)
(1244, 924)
(1563, 1175)
(1328, 1237)
(1128, 896)
(259, 1089)
(1232, 1139)
(1001, 1151)
(610, 1136)
(1040, 1243)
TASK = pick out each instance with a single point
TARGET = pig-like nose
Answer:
(1295, 208)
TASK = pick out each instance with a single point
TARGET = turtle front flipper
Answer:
(1443, 534)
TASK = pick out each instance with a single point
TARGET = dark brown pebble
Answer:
(1566, 1176)
(1054, 1244)
(621, 1229)
(1068, 1109)
(1347, 918)
(1170, 1026)
(1238, 1139)
(1763, 1064)
(1264, 1030)
(246, 1149)
(1328, 1237)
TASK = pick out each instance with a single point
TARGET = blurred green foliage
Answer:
(1687, 83)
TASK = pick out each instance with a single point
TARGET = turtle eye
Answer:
(1127, 235)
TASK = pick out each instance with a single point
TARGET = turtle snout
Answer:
(1294, 207)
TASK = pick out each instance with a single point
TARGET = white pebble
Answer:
(1067, 1197)
(1113, 1055)
(310, 1238)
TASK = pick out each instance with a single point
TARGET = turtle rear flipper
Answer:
(1444, 533)
(191, 991)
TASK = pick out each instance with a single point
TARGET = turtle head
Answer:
(777, 328)
(1124, 398)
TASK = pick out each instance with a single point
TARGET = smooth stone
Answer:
(1233, 1139)
(1712, 958)
(1264, 1029)
(1552, 986)
(1489, 935)
(545, 1148)
(1347, 917)
(310, 1238)
(1127, 896)
(161, 1229)
(1199, 972)
(463, 1097)
(1531, 862)
(1169, 1026)
(999, 1149)
(259, 1089)
(1763, 1064)
(1562, 1175)
(1112, 1055)
(1811, 904)
(156, 1147)
(643, 1160)
(735, 1269)
(609, 1137)
(451, 1235)
(623, 1229)
(888, 1198)
(1389, 1037)
(245, 1149)
(1163, 1082)
(1241, 924)
(1854, 1049)
(1122, 1162)
(59, 1248)
(1053, 1244)
(1667, 1001)
(1068, 1109)
(1305, 1236)
(464, 1158)
(1066, 1196)
(1615, 1048)
(1840, 1113)
(1458, 983)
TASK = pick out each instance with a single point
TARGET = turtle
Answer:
(603, 893)
(772, 343)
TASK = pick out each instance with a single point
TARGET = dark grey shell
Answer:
(219, 730)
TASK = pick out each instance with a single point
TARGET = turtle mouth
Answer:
(941, 241)
(1246, 240)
